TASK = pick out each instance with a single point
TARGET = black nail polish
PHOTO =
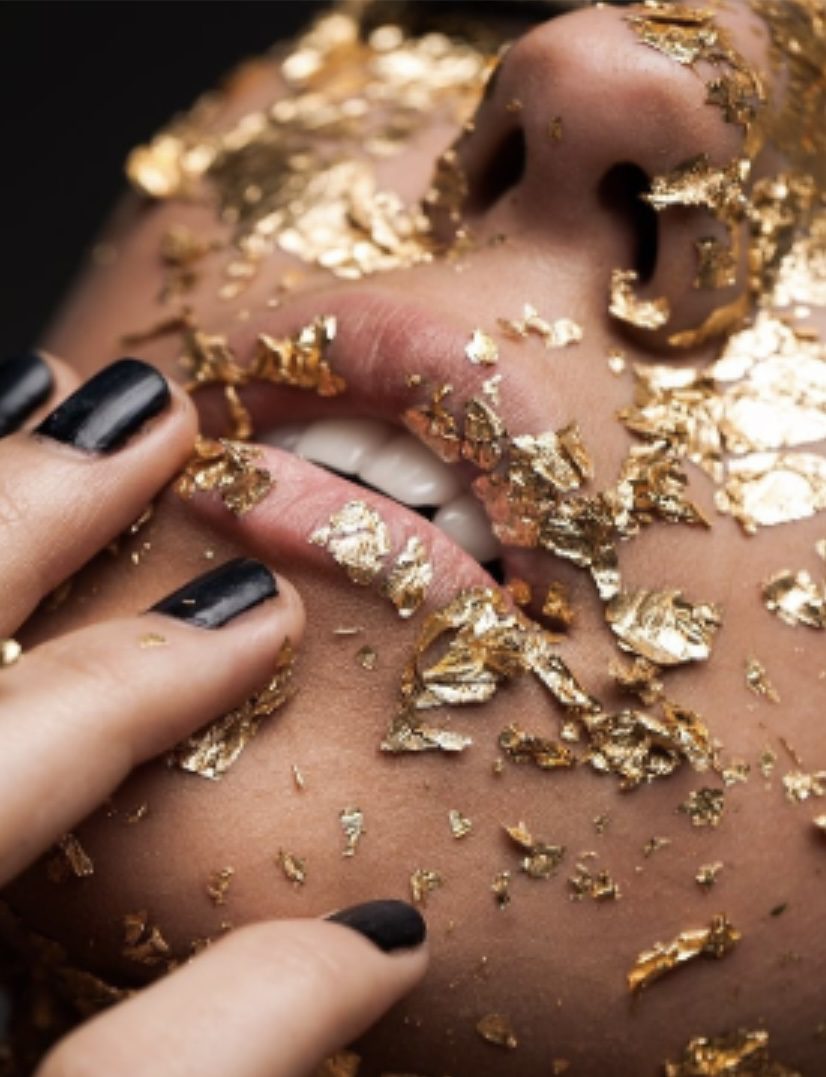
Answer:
(113, 405)
(26, 382)
(220, 595)
(391, 925)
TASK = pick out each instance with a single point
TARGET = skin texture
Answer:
(554, 966)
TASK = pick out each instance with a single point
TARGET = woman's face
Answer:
(327, 210)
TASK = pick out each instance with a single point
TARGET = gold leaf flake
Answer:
(481, 349)
(556, 606)
(300, 361)
(625, 306)
(367, 657)
(294, 867)
(71, 859)
(716, 265)
(654, 844)
(707, 874)
(558, 334)
(758, 680)
(597, 885)
(796, 598)
(357, 538)
(143, 941)
(522, 747)
(341, 1064)
(226, 467)
(460, 825)
(483, 435)
(542, 859)
(424, 881)
(352, 823)
(555, 129)
(501, 888)
(716, 940)
(704, 807)
(299, 781)
(218, 885)
(152, 639)
(616, 361)
(800, 786)
(10, 652)
(409, 735)
(409, 578)
(495, 1028)
(764, 489)
(435, 426)
(640, 678)
(744, 1052)
(663, 626)
(519, 591)
(819, 822)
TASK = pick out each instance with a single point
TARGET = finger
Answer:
(270, 1000)
(86, 473)
(28, 382)
(79, 712)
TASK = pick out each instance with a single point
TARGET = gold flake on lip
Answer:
(495, 1028)
(367, 657)
(541, 860)
(557, 334)
(352, 823)
(796, 598)
(143, 941)
(424, 881)
(483, 435)
(10, 652)
(663, 626)
(71, 859)
(716, 940)
(763, 489)
(409, 578)
(300, 361)
(357, 538)
(597, 885)
(460, 825)
(434, 425)
(758, 681)
(522, 747)
(218, 885)
(744, 1052)
(704, 807)
(626, 307)
(481, 350)
(213, 750)
(226, 467)
(294, 867)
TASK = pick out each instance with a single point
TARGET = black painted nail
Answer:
(113, 405)
(220, 595)
(26, 382)
(391, 925)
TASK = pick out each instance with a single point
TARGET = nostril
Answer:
(620, 192)
(502, 171)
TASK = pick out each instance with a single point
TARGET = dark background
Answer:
(81, 82)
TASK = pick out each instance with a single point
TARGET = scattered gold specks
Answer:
(555, 129)
(557, 334)
(501, 888)
(767, 762)
(213, 750)
(70, 860)
(10, 652)
(796, 598)
(704, 807)
(218, 885)
(143, 941)
(541, 860)
(352, 823)
(424, 881)
(435, 426)
(300, 361)
(707, 874)
(341, 1064)
(152, 639)
(601, 822)
(460, 825)
(495, 1028)
(409, 578)
(758, 680)
(716, 940)
(481, 349)
(522, 747)
(800, 786)
(226, 467)
(653, 845)
(627, 307)
(294, 867)
(597, 885)
(743, 1052)
(663, 626)
(735, 773)
(367, 657)
(356, 538)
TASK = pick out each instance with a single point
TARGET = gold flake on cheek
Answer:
(663, 626)
(626, 307)
(213, 750)
(763, 489)
(495, 1028)
(10, 652)
(367, 657)
(599, 886)
(743, 1052)
(796, 598)
(227, 468)
(704, 807)
(522, 747)
(409, 578)
(352, 823)
(143, 941)
(424, 881)
(218, 885)
(501, 888)
(707, 874)
(541, 860)
(758, 680)
(357, 538)
(716, 940)
(294, 867)
(460, 825)
(406, 734)
(300, 361)
(481, 349)
(653, 845)
(71, 859)
(800, 786)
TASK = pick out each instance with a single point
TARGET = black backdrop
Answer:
(81, 83)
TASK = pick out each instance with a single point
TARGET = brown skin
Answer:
(554, 966)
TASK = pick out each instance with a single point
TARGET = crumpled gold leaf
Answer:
(522, 747)
(758, 681)
(409, 578)
(495, 1028)
(716, 940)
(352, 823)
(226, 467)
(626, 306)
(763, 489)
(704, 806)
(357, 538)
(541, 859)
(796, 598)
(663, 626)
(481, 349)
(744, 1053)
(143, 941)
(424, 881)
(299, 361)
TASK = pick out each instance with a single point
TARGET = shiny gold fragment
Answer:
(434, 425)
(218, 885)
(819, 823)
(704, 807)
(556, 606)
(70, 860)
(758, 681)
(663, 626)
(744, 1053)
(300, 361)
(716, 265)
(352, 823)
(227, 468)
(341, 1064)
(640, 678)
(481, 349)
(356, 538)
(800, 786)
(707, 874)
(410, 577)
(460, 825)
(143, 941)
(716, 940)
(597, 885)
(495, 1028)
(367, 657)
(626, 307)
(150, 640)
(654, 844)
(541, 860)
(796, 598)
(522, 747)
(501, 888)
(10, 652)
(765, 488)
(617, 361)
(558, 334)
(294, 867)
(652, 486)
(483, 435)
(424, 881)
(519, 590)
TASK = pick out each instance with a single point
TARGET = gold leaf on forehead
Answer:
(409, 578)
(704, 807)
(541, 859)
(626, 307)
(227, 468)
(495, 1028)
(300, 361)
(663, 626)
(744, 1052)
(481, 349)
(352, 823)
(796, 598)
(716, 940)
(143, 941)
(357, 538)
(213, 750)
(758, 681)
(424, 881)
(522, 747)
(764, 489)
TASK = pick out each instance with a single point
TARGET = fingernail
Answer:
(220, 595)
(105, 412)
(391, 925)
(26, 382)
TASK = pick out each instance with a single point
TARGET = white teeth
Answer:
(464, 521)
(343, 444)
(410, 473)
(283, 437)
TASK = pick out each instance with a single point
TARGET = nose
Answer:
(578, 121)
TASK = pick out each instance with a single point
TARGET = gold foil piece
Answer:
(294, 867)
(501, 888)
(799, 786)
(597, 885)
(819, 823)
(143, 941)
(557, 334)
(796, 598)
(460, 825)
(704, 807)
(341, 1064)
(481, 349)
(541, 860)
(640, 678)
(434, 425)
(495, 1028)
(757, 679)
(356, 538)
(424, 881)
(522, 747)
(218, 885)
(663, 626)
(409, 578)
(556, 606)
(10, 652)
(214, 749)
(352, 823)
(707, 875)
(716, 940)
(150, 640)
(71, 860)
(227, 468)
(483, 435)
(300, 361)
(653, 845)
(626, 307)
(744, 1053)
(764, 489)
(367, 657)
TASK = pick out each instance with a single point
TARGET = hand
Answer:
(272, 998)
